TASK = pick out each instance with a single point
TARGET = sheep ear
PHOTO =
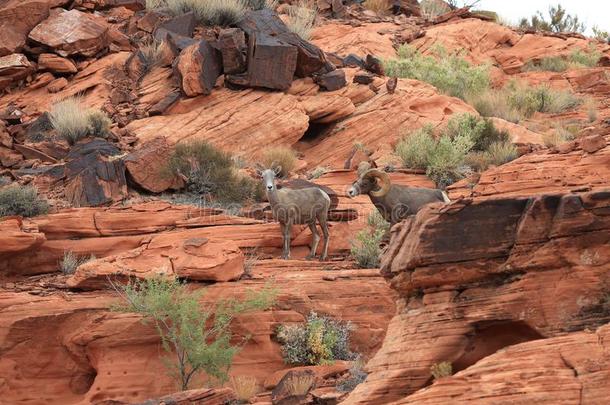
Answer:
(277, 169)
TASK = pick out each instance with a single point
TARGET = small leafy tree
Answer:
(196, 339)
(558, 21)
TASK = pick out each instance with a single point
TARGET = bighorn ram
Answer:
(303, 206)
(394, 202)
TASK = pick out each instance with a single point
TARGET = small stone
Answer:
(57, 85)
(592, 143)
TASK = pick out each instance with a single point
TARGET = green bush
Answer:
(495, 103)
(73, 122)
(585, 58)
(319, 340)
(529, 100)
(21, 200)
(196, 338)
(558, 21)
(451, 74)
(501, 152)
(467, 142)
(210, 172)
(600, 34)
(548, 64)
(414, 148)
(366, 248)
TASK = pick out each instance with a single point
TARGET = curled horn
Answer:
(383, 181)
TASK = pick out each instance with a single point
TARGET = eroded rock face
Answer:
(15, 236)
(480, 275)
(71, 32)
(14, 67)
(110, 356)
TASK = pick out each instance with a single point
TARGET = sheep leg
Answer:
(314, 241)
(324, 226)
(286, 235)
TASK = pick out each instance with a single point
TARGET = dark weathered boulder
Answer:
(331, 81)
(374, 65)
(93, 174)
(363, 78)
(232, 45)
(182, 25)
(198, 67)
(310, 58)
(352, 60)
(133, 5)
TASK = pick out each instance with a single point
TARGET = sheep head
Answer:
(368, 182)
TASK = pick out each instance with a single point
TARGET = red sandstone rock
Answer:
(57, 64)
(147, 166)
(17, 18)
(321, 373)
(593, 143)
(71, 32)
(13, 68)
(198, 67)
(57, 85)
(207, 396)
(15, 236)
(526, 269)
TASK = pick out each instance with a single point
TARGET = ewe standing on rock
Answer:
(304, 206)
(394, 202)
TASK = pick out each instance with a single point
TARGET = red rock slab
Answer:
(17, 18)
(364, 39)
(71, 32)
(379, 122)
(568, 369)
(15, 237)
(238, 121)
(208, 396)
(321, 372)
(324, 109)
(14, 67)
(541, 172)
(199, 259)
(147, 166)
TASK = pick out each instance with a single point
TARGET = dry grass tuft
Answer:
(442, 369)
(381, 7)
(280, 157)
(302, 18)
(300, 385)
(245, 387)
(433, 8)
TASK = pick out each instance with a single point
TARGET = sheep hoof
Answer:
(286, 257)
(310, 257)
(322, 258)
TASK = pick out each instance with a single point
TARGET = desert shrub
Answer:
(414, 149)
(261, 4)
(151, 51)
(591, 107)
(560, 134)
(210, 172)
(299, 385)
(380, 7)
(442, 369)
(585, 57)
(494, 103)
(558, 21)
(208, 12)
(21, 200)
(356, 376)
(481, 131)
(302, 18)
(465, 143)
(366, 247)
(319, 340)
(196, 338)
(451, 74)
(600, 34)
(245, 387)
(548, 64)
(280, 157)
(73, 122)
(501, 152)
(250, 261)
(529, 99)
(70, 262)
(433, 8)
(99, 123)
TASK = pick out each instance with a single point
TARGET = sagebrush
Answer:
(196, 338)
(441, 370)
(211, 173)
(450, 73)
(281, 158)
(70, 262)
(366, 248)
(21, 200)
(72, 121)
(357, 375)
(319, 340)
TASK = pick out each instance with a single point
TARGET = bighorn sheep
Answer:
(303, 206)
(394, 202)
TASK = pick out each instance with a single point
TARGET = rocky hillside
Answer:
(115, 116)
